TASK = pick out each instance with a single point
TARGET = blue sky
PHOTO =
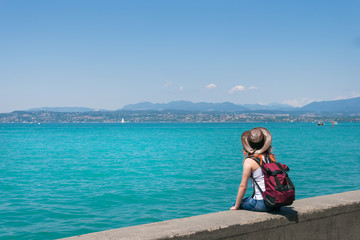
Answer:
(106, 54)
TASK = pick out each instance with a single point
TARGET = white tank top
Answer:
(259, 178)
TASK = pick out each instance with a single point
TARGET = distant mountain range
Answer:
(337, 106)
(351, 105)
(205, 107)
(187, 106)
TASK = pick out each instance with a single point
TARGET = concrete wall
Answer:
(334, 216)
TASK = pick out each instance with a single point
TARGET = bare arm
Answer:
(244, 182)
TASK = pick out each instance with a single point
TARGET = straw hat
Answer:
(256, 140)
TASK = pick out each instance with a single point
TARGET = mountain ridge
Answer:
(341, 105)
(351, 105)
(185, 105)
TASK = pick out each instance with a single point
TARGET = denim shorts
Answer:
(251, 204)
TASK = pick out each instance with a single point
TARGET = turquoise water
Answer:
(59, 180)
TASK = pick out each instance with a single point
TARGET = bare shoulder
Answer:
(250, 163)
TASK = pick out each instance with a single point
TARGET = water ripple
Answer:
(60, 180)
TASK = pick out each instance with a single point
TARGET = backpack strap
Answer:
(258, 161)
(262, 193)
(267, 159)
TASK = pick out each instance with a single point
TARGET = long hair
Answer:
(268, 152)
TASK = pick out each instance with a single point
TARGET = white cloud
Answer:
(211, 85)
(237, 89)
(298, 102)
(353, 95)
(181, 88)
(339, 98)
(242, 88)
(167, 84)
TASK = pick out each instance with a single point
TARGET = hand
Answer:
(233, 208)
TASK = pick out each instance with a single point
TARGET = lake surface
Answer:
(60, 180)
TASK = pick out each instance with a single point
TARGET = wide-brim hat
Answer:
(256, 140)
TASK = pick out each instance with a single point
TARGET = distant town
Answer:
(345, 110)
(170, 116)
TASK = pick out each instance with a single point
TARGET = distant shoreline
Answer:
(174, 117)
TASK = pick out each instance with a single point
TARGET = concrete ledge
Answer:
(335, 216)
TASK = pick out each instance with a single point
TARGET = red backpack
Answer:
(279, 189)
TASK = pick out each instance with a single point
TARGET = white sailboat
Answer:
(122, 120)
